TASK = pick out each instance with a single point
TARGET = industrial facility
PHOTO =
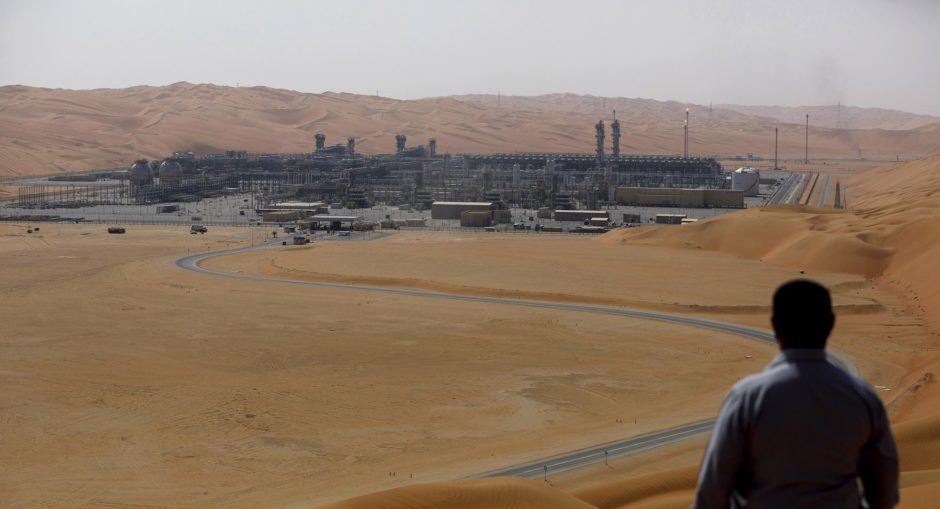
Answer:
(414, 178)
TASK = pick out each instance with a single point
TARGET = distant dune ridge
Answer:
(55, 130)
(839, 116)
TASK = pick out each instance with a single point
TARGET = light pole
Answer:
(776, 137)
(806, 158)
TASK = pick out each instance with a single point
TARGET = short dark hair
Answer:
(802, 316)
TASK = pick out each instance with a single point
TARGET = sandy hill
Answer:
(892, 231)
(838, 117)
(892, 235)
(628, 109)
(650, 110)
(55, 130)
(495, 493)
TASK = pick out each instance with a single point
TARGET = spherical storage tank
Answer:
(747, 180)
(140, 173)
(170, 171)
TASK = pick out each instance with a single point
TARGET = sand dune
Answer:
(175, 423)
(216, 393)
(893, 235)
(649, 110)
(55, 130)
(836, 117)
(130, 382)
(890, 237)
(497, 493)
(7, 192)
(893, 230)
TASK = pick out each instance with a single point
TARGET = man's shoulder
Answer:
(762, 379)
(864, 389)
(751, 384)
(781, 372)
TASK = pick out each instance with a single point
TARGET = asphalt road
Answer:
(600, 453)
(825, 191)
(581, 457)
(784, 192)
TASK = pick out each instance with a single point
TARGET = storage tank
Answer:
(170, 172)
(746, 180)
(140, 173)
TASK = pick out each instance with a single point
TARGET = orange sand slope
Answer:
(496, 493)
(893, 231)
(892, 235)
(647, 110)
(7, 192)
(127, 381)
(48, 131)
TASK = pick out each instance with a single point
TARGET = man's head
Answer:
(802, 314)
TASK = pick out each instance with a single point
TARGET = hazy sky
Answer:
(883, 53)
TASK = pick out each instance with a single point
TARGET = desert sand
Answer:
(129, 381)
(55, 130)
(7, 193)
(890, 240)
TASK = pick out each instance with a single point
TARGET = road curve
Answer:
(581, 457)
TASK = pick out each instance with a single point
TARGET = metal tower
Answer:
(615, 134)
(400, 140)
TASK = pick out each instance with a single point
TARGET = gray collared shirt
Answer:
(800, 434)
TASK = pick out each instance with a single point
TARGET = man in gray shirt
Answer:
(803, 432)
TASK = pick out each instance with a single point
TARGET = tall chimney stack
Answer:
(400, 140)
(615, 134)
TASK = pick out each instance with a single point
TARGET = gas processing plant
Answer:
(414, 176)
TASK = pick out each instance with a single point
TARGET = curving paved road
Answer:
(581, 457)
(599, 453)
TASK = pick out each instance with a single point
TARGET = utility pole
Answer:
(806, 158)
(776, 138)
(685, 146)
